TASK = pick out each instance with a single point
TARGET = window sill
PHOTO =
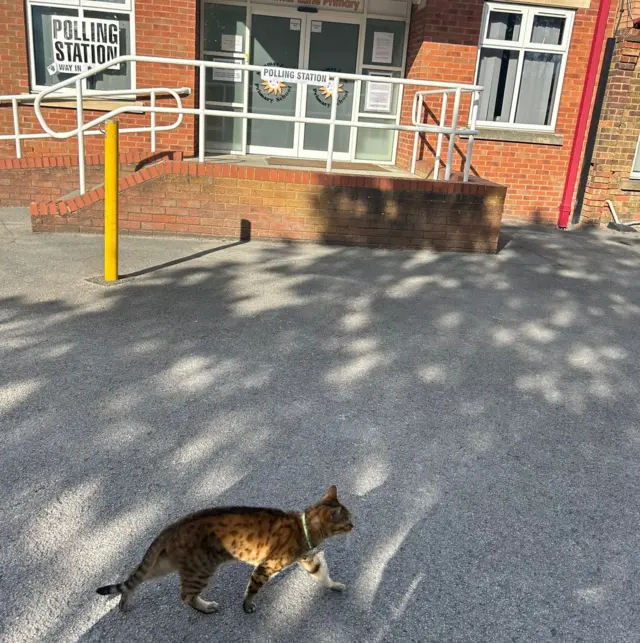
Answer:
(630, 185)
(519, 136)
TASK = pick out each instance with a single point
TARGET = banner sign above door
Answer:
(352, 6)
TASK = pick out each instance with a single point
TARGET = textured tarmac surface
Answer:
(479, 415)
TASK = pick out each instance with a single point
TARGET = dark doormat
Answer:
(320, 165)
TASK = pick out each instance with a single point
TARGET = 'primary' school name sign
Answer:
(82, 43)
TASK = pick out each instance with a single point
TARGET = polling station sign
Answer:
(295, 76)
(82, 43)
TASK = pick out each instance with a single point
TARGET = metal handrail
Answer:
(451, 131)
(158, 92)
(418, 105)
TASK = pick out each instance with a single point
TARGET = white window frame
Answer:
(528, 13)
(240, 58)
(127, 7)
(635, 174)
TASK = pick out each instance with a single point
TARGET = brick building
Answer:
(530, 58)
(612, 171)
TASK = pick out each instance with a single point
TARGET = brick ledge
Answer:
(40, 162)
(303, 177)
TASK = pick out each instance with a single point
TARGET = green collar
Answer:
(306, 531)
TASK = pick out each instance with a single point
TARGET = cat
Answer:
(268, 539)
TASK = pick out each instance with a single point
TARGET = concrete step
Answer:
(14, 222)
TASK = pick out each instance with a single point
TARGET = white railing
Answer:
(418, 116)
(450, 131)
(25, 99)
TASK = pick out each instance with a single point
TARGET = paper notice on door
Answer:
(295, 24)
(229, 42)
(382, 48)
(226, 75)
(316, 26)
(378, 96)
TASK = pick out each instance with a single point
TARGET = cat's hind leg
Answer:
(317, 567)
(161, 567)
(191, 585)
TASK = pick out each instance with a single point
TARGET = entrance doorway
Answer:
(298, 40)
(367, 37)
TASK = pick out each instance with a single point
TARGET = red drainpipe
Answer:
(583, 113)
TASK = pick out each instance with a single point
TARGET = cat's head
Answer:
(335, 517)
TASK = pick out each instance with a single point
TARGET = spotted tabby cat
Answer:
(269, 539)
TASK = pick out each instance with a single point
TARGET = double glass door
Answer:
(300, 41)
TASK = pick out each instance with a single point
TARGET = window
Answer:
(635, 168)
(521, 61)
(56, 26)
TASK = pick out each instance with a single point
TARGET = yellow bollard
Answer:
(111, 202)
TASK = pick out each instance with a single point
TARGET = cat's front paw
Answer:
(249, 607)
(337, 587)
(209, 607)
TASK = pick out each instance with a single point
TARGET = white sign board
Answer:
(379, 95)
(226, 75)
(82, 43)
(382, 48)
(295, 76)
(229, 42)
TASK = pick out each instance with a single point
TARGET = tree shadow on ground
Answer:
(476, 412)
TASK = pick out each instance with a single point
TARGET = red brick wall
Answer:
(51, 178)
(627, 20)
(160, 31)
(617, 138)
(21, 187)
(215, 199)
(443, 45)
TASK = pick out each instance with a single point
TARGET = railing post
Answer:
(475, 100)
(80, 115)
(452, 135)
(332, 121)
(416, 114)
(153, 121)
(443, 118)
(16, 127)
(111, 202)
(202, 106)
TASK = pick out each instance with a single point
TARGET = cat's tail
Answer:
(139, 574)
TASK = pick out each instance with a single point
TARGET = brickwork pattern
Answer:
(443, 45)
(188, 198)
(617, 137)
(49, 178)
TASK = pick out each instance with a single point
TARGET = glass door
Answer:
(275, 40)
(331, 46)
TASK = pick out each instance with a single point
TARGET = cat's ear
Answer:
(331, 495)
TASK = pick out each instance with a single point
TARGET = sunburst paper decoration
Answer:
(327, 92)
(273, 86)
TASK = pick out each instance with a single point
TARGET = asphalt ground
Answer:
(478, 414)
